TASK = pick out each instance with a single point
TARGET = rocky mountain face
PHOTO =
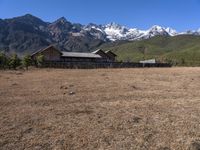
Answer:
(28, 33)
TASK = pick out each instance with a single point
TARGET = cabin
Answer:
(55, 58)
(112, 56)
(108, 56)
(52, 54)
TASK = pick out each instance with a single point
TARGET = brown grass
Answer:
(142, 109)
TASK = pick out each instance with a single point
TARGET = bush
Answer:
(14, 61)
(27, 61)
(3, 61)
(40, 60)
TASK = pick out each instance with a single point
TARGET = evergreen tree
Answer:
(27, 61)
(40, 60)
(14, 61)
(3, 61)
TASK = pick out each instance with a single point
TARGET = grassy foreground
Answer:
(139, 109)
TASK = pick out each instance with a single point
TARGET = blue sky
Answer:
(179, 14)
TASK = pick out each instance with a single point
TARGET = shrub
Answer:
(27, 61)
(40, 60)
(14, 61)
(3, 61)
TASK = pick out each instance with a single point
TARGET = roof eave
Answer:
(41, 50)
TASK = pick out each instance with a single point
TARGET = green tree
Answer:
(14, 61)
(40, 60)
(27, 61)
(3, 61)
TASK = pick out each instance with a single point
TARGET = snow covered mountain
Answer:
(30, 33)
(115, 32)
(191, 32)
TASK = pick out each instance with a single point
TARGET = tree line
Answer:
(13, 61)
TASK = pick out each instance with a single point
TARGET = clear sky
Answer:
(179, 14)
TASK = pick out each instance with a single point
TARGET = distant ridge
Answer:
(26, 34)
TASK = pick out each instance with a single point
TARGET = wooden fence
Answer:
(91, 65)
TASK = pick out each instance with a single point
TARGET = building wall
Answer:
(77, 59)
(111, 57)
(50, 55)
(104, 56)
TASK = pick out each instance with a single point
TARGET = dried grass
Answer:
(154, 109)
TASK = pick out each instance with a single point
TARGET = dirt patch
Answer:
(194, 145)
(138, 109)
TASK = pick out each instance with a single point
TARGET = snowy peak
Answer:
(95, 31)
(156, 28)
(116, 32)
(115, 26)
(162, 30)
(191, 32)
(171, 31)
(92, 26)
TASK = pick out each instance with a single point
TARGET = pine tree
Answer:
(3, 61)
(14, 61)
(27, 61)
(40, 60)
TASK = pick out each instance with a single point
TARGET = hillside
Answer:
(180, 50)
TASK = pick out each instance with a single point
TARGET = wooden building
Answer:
(108, 56)
(52, 54)
(97, 59)
(111, 56)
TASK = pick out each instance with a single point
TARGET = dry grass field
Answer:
(138, 109)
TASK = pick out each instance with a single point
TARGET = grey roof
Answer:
(97, 51)
(41, 50)
(109, 51)
(83, 55)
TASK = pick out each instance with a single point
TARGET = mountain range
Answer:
(26, 34)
